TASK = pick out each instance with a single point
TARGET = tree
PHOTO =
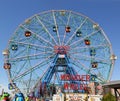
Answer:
(108, 97)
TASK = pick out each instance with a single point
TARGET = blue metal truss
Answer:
(53, 69)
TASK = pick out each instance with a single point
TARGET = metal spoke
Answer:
(89, 58)
(83, 66)
(16, 72)
(86, 47)
(56, 26)
(28, 56)
(87, 70)
(40, 78)
(46, 29)
(31, 69)
(32, 45)
(84, 38)
(74, 33)
(65, 31)
(37, 35)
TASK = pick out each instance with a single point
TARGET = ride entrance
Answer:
(58, 51)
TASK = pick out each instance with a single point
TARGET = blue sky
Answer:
(105, 12)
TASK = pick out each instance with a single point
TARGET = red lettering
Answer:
(78, 77)
(83, 78)
(87, 77)
(75, 86)
(81, 87)
(73, 77)
(67, 77)
(72, 86)
(66, 85)
(62, 77)
(85, 87)
(61, 49)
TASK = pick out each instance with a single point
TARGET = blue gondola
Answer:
(92, 52)
(14, 47)
(78, 34)
(55, 28)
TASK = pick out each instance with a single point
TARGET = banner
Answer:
(76, 97)
(95, 97)
(58, 97)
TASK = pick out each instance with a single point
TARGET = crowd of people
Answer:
(5, 96)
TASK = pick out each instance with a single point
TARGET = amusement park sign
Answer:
(68, 77)
(75, 86)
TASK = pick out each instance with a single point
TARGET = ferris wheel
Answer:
(54, 43)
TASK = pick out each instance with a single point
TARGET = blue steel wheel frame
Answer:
(32, 48)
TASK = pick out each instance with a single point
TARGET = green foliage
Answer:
(108, 97)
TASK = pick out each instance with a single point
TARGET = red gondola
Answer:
(27, 33)
(67, 29)
(7, 65)
(87, 42)
(94, 64)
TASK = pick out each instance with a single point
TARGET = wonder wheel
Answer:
(51, 46)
